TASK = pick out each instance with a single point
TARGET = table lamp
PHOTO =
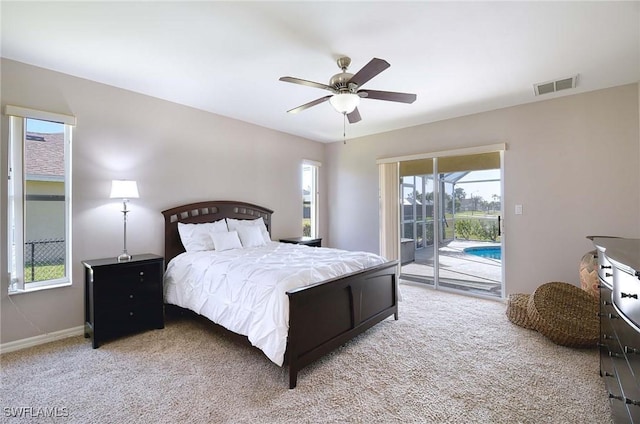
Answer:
(125, 190)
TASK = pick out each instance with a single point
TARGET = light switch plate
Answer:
(518, 209)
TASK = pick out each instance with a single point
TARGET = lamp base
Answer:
(124, 257)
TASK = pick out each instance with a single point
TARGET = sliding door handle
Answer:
(499, 226)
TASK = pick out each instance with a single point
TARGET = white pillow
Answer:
(197, 237)
(250, 236)
(233, 225)
(226, 241)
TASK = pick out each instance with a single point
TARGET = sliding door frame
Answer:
(395, 233)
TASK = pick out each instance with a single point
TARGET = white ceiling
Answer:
(226, 57)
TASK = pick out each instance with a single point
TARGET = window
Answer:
(310, 198)
(39, 189)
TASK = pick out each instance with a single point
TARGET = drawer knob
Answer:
(131, 314)
(141, 273)
(607, 337)
(629, 349)
(608, 374)
(631, 296)
(616, 355)
(605, 266)
(608, 274)
(607, 303)
(612, 396)
(130, 296)
(612, 316)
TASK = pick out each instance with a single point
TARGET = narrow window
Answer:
(310, 198)
(39, 199)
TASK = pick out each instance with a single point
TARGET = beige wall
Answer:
(572, 162)
(177, 155)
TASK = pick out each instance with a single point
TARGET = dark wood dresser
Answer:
(619, 328)
(123, 297)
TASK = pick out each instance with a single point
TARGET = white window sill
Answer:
(54, 285)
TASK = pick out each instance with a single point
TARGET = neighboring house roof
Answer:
(44, 156)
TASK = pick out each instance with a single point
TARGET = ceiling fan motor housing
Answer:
(341, 81)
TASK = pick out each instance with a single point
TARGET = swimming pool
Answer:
(491, 252)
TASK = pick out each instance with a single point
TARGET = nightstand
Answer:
(122, 297)
(307, 241)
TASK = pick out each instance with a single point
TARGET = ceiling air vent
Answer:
(557, 85)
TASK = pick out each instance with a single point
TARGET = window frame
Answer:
(16, 197)
(314, 195)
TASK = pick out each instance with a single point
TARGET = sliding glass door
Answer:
(416, 229)
(450, 222)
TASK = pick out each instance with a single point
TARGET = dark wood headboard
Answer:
(195, 213)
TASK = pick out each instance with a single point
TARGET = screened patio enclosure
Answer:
(450, 223)
(417, 212)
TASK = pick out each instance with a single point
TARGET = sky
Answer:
(486, 189)
(36, 125)
(488, 184)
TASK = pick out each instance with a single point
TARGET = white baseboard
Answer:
(41, 339)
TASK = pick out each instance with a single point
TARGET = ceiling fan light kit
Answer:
(346, 89)
(344, 102)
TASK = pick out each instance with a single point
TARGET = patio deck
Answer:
(458, 270)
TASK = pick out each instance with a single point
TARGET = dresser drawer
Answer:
(630, 346)
(626, 295)
(605, 271)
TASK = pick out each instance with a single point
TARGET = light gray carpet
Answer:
(449, 359)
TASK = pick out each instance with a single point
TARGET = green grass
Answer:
(43, 273)
(475, 214)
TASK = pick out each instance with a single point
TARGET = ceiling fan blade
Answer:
(310, 104)
(354, 116)
(307, 83)
(389, 96)
(370, 70)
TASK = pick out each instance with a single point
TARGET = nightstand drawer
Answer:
(130, 317)
(126, 284)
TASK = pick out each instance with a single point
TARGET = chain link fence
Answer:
(44, 260)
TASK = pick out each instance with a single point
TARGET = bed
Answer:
(322, 315)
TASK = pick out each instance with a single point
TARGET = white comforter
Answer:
(244, 290)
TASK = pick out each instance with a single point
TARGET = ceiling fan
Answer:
(346, 89)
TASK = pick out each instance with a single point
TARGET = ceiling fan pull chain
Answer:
(344, 127)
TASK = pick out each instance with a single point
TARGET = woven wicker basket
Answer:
(517, 310)
(566, 314)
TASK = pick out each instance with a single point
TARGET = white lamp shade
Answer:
(124, 189)
(345, 102)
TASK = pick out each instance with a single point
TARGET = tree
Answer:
(495, 205)
(418, 196)
(459, 193)
(475, 199)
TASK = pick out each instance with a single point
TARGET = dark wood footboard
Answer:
(324, 316)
